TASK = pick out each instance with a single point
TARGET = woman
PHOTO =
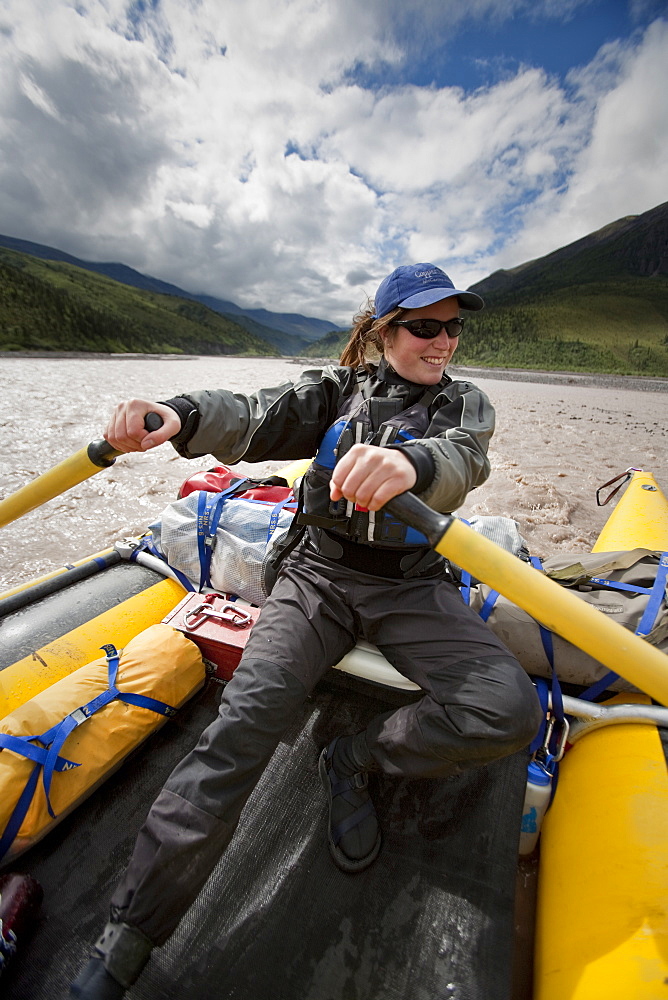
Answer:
(376, 430)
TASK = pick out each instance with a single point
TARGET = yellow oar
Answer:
(82, 465)
(68, 473)
(554, 606)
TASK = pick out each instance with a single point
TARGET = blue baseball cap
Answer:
(415, 285)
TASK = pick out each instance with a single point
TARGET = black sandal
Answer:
(353, 791)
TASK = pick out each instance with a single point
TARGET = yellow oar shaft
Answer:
(73, 470)
(558, 609)
(551, 604)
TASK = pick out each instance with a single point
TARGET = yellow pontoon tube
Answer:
(64, 654)
(602, 920)
(640, 519)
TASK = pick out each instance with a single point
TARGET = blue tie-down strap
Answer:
(548, 647)
(465, 589)
(47, 755)
(209, 510)
(546, 639)
(550, 741)
(488, 606)
(288, 501)
(657, 594)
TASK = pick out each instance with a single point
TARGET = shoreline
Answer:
(642, 383)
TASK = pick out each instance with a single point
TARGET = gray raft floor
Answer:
(432, 919)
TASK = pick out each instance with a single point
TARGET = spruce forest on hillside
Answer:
(593, 329)
(53, 306)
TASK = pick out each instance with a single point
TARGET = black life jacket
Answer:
(364, 419)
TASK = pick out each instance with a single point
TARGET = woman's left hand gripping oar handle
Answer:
(73, 470)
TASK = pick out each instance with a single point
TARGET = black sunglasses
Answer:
(427, 329)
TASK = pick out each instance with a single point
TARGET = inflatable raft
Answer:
(602, 920)
(601, 925)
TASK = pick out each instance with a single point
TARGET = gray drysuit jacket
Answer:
(289, 422)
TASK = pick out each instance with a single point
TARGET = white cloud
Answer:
(36, 96)
(621, 167)
(226, 148)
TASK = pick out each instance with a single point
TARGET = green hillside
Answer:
(607, 327)
(330, 346)
(597, 305)
(54, 306)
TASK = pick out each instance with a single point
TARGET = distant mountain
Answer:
(289, 332)
(330, 346)
(306, 327)
(52, 305)
(597, 305)
(633, 247)
(279, 335)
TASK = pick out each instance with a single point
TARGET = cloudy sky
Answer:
(290, 153)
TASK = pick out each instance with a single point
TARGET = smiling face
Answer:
(421, 361)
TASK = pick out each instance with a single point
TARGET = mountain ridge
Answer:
(290, 332)
(644, 239)
(56, 306)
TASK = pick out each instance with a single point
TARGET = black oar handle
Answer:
(415, 512)
(103, 455)
(153, 421)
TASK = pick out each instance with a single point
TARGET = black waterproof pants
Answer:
(478, 706)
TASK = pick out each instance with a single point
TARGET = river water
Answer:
(558, 438)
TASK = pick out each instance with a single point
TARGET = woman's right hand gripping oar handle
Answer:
(548, 602)
(103, 454)
(138, 425)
